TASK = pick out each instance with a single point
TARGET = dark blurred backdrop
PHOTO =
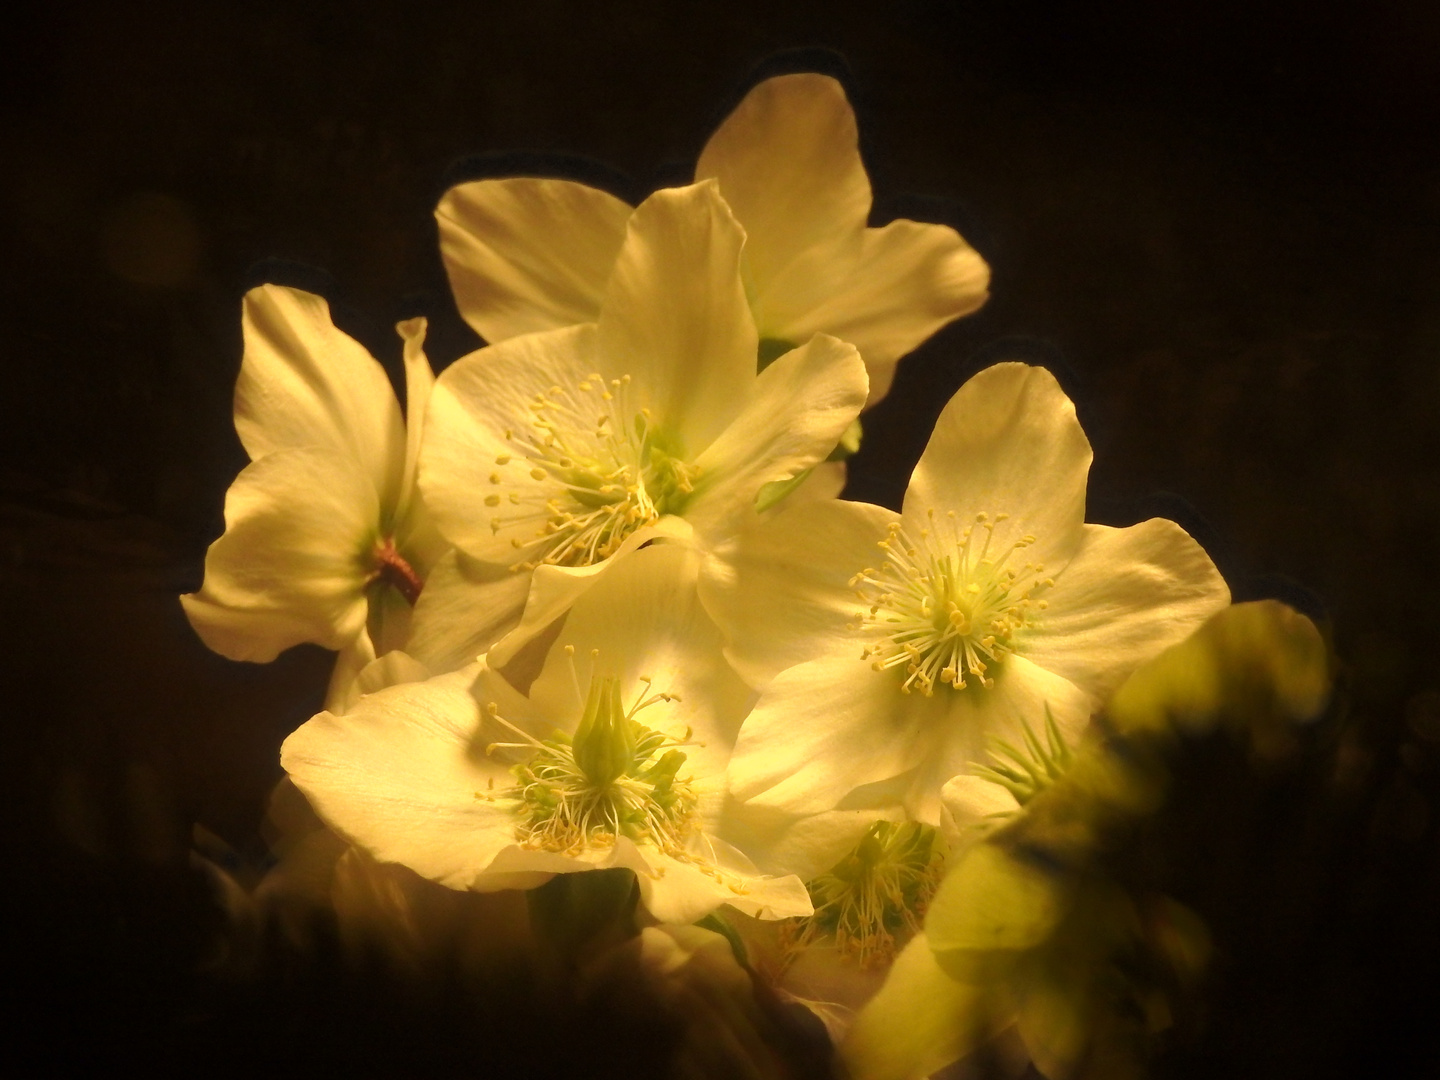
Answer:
(1217, 222)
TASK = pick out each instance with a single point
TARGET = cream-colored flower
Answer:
(529, 254)
(887, 671)
(557, 451)
(616, 758)
(325, 540)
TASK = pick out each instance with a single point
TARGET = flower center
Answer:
(611, 469)
(944, 606)
(614, 777)
(873, 894)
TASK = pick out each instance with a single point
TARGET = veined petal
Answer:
(973, 806)
(977, 716)
(465, 607)
(675, 317)
(399, 776)
(527, 254)
(907, 281)
(800, 406)
(553, 590)
(806, 845)
(782, 590)
(1008, 443)
(292, 564)
(788, 163)
(476, 401)
(823, 728)
(679, 890)
(305, 383)
(1126, 596)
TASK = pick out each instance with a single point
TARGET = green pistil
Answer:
(875, 894)
(616, 777)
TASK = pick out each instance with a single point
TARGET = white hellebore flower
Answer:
(526, 254)
(988, 601)
(560, 450)
(325, 540)
(617, 758)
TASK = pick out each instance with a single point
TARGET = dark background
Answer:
(1217, 222)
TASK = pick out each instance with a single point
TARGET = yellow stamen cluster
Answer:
(595, 469)
(614, 777)
(874, 897)
(944, 607)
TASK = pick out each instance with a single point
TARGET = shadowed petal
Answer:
(526, 254)
(292, 565)
(305, 383)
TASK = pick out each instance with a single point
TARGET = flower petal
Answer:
(352, 659)
(800, 406)
(908, 280)
(1008, 442)
(824, 728)
(527, 254)
(675, 316)
(1126, 596)
(291, 566)
(476, 401)
(977, 716)
(678, 890)
(782, 590)
(555, 589)
(305, 383)
(398, 776)
(919, 1022)
(806, 845)
(788, 163)
(465, 607)
(971, 803)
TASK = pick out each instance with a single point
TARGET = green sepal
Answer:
(584, 913)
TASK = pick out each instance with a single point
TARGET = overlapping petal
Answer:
(788, 163)
(797, 410)
(784, 585)
(526, 254)
(675, 318)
